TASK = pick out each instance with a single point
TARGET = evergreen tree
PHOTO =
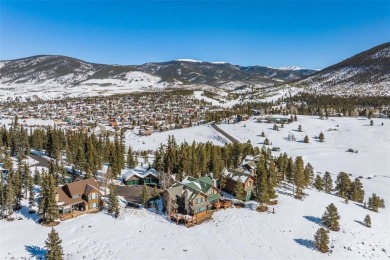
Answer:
(309, 174)
(113, 205)
(31, 193)
(343, 185)
(266, 141)
(54, 246)
(130, 159)
(262, 195)
(371, 122)
(239, 190)
(299, 177)
(367, 221)
(299, 128)
(321, 137)
(144, 196)
(9, 203)
(290, 169)
(2, 193)
(328, 182)
(318, 184)
(375, 202)
(321, 240)
(357, 192)
(52, 210)
(306, 139)
(331, 218)
(155, 193)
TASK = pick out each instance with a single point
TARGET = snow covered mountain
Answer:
(367, 73)
(50, 76)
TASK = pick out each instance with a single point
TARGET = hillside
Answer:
(367, 73)
(60, 76)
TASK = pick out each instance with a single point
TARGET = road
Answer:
(229, 137)
(42, 162)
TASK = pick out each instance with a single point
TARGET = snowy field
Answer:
(371, 142)
(240, 233)
(202, 133)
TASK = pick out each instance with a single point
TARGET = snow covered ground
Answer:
(240, 233)
(371, 142)
(202, 133)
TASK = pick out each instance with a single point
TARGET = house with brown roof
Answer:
(78, 197)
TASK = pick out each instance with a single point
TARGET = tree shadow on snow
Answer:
(27, 215)
(360, 222)
(313, 219)
(36, 251)
(305, 242)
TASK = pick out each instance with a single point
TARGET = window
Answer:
(94, 195)
(210, 192)
(200, 209)
(198, 200)
(93, 205)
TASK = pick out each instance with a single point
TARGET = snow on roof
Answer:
(139, 172)
(236, 174)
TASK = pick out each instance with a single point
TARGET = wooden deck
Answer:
(76, 213)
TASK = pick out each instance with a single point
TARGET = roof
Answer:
(78, 187)
(85, 187)
(191, 187)
(140, 173)
(213, 197)
(65, 199)
(133, 193)
(236, 174)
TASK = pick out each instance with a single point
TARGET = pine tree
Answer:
(2, 193)
(371, 122)
(299, 128)
(357, 192)
(155, 193)
(54, 246)
(318, 184)
(343, 185)
(31, 193)
(328, 182)
(239, 191)
(367, 221)
(321, 137)
(375, 202)
(262, 195)
(130, 159)
(331, 218)
(299, 177)
(321, 240)
(262, 134)
(9, 203)
(144, 196)
(52, 210)
(309, 174)
(113, 205)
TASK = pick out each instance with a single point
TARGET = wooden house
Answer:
(139, 177)
(78, 197)
(193, 197)
(245, 176)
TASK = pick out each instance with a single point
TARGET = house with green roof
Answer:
(193, 196)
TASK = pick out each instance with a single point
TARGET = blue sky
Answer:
(312, 34)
